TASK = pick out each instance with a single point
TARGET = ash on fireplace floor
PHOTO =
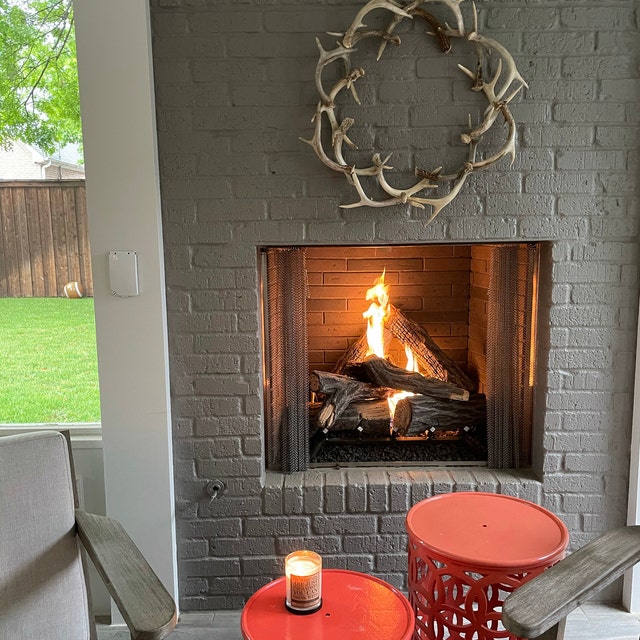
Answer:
(442, 452)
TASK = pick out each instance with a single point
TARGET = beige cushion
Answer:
(43, 594)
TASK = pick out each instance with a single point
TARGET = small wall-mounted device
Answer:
(123, 273)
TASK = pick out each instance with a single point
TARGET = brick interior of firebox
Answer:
(441, 287)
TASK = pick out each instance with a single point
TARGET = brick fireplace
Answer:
(463, 315)
(234, 91)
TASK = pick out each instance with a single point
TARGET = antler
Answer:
(316, 144)
(327, 57)
(509, 147)
(497, 97)
(347, 41)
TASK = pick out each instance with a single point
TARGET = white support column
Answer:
(123, 201)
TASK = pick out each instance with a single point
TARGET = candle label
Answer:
(305, 590)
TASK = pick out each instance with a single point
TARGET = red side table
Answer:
(355, 606)
(467, 552)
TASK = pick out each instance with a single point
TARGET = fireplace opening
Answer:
(399, 355)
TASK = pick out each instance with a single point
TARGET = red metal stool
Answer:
(355, 606)
(467, 552)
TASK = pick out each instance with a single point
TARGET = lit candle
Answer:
(303, 575)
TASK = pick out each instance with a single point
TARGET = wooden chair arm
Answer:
(146, 606)
(545, 600)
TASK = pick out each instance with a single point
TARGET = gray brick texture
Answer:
(234, 93)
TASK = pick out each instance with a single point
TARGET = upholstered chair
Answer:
(44, 592)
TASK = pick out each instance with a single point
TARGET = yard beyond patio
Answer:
(49, 370)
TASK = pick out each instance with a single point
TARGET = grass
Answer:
(48, 366)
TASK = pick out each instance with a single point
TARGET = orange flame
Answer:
(392, 401)
(412, 361)
(375, 316)
(376, 313)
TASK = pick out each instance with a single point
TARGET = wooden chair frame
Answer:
(537, 609)
(145, 605)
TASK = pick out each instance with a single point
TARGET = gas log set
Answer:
(369, 399)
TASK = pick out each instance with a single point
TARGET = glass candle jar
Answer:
(303, 575)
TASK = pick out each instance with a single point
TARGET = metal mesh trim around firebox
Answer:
(509, 394)
(287, 389)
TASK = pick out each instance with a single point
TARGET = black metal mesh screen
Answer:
(509, 335)
(287, 372)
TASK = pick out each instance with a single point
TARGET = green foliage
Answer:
(49, 369)
(39, 98)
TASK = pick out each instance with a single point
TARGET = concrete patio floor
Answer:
(589, 622)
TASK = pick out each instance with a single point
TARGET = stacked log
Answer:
(416, 414)
(356, 392)
(432, 359)
(380, 372)
(341, 391)
(355, 353)
(429, 355)
(370, 418)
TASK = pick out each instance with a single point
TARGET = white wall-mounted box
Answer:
(123, 273)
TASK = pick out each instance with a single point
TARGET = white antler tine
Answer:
(372, 5)
(467, 72)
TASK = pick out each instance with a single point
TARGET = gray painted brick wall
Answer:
(234, 83)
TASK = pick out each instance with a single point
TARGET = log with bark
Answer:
(370, 418)
(356, 352)
(416, 414)
(434, 361)
(314, 410)
(341, 391)
(380, 372)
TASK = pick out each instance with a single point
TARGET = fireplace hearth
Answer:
(339, 324)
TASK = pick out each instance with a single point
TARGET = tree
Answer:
(39, 98)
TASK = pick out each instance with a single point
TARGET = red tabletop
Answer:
(355, 606)
(488, 530)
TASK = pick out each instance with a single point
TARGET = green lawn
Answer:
(48, 363)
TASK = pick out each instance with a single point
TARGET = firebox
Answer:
(399, 355)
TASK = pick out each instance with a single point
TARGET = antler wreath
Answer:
(499, 91)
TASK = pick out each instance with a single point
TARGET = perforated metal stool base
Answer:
(467, 553)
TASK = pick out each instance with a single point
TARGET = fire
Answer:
(376, 313)
(412, 363)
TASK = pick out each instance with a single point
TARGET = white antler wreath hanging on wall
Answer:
(499, 91)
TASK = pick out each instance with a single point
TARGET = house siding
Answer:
(19, 162)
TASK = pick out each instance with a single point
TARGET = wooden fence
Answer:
(44, 239)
